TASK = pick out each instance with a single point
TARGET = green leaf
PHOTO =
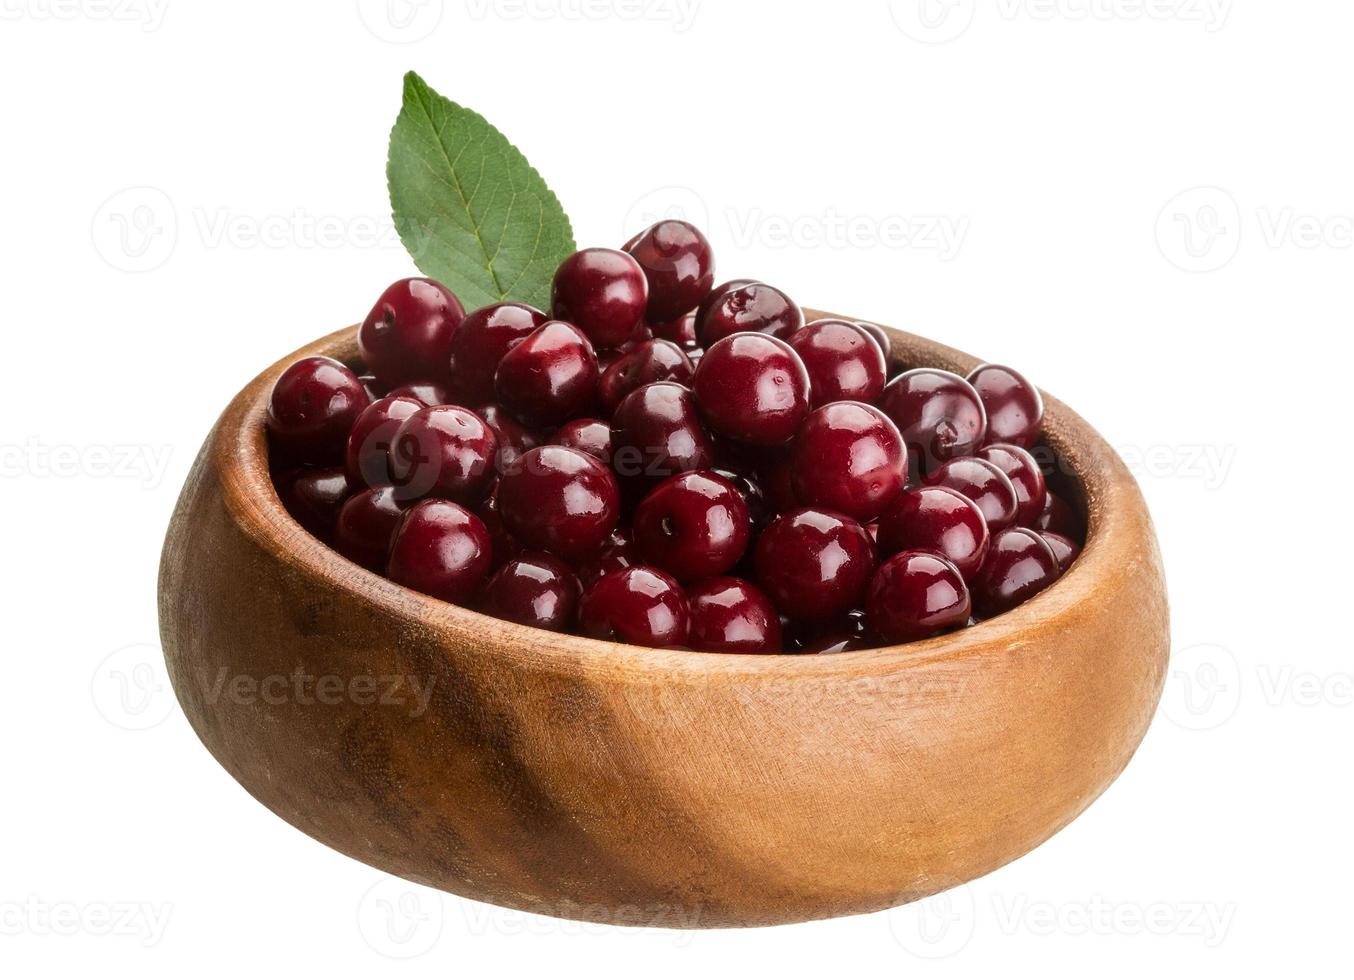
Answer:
(473, 213)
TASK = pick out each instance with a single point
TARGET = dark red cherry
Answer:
(373, 387)
(752, 388)
(534, 589)
(678, 264)
(407, 335)
(548, 378)
(601, 291)
(647, 362)
(367, 459)
(936, 519)
(591, 436)
(1058, 516)
(748, 307)
(513, 438)
(311, 408)
(635, 605)
(681, 331)
(559, 500)
(748, 484)
(850, 458)
(984, 484)
(938, 413)
(618, 552)
(480, 343)
(880, 337)
(314, 496)
(777, 479)
(442, 550)
(731, 615)
(1024, 474)
(844, 362)
(1064, 548)
(715, 295)
(427, 392)
(657, 432)
(814, 564)
(443, 451)
(693, 526)
(916, 594)
(365, 526)
(1019, 565)
(1015, 409)
(505, 546)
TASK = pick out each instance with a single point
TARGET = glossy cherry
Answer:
(1025, 476)
(731, 615)
(534, 589)
(936, 519)
(591, 436)
(548, 378)
(749, 486)
(745, 306)
(514, 439)
(681, 331)
(844, 362)
(814, 564)
(559, 500)
(849, 457)
(693, 526)
(1058, 516)
(678, 264)
(1015, 409)
(645, 363)
(314, 496)
(1019, 565)
(427, 392)
(657, 432)
(916, 594)
(880, 337)
(480, 343)
(938, 413)
(442, 550)
(601, 291)
(365, 525)
(505, 546)
(618, 552)
(1064, 548)
(312, 406)
(752, 388)
(407, 335)
(984, 484)
(638, 604)
(367, 458)
(443, 451)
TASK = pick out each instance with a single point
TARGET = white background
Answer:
(1148, 206)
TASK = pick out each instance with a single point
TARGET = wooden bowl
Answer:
(627, 785)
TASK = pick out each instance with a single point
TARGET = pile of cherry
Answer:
(665, 462)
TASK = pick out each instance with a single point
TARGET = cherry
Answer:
(936, 519)
(984, 484)
(601, 291)
(1064, 548)
(534, 589)
(559, 500)
(427, 392)
(505, 546)
(715, 295)
(1058, 516)
(750, 489)
(731, 615)
(513, 438)
(443, 451)
(938, 413)
(407, 335)
(814, 564)
(635, 605)
(844, 362)
(373, 387)
(591, 436)
(693, 526)
(442, 550)
(365, 526)
(1019, 565)
(745, 306)
(311, 408)
(916, 594)
(681, 331)
(849, 457)
(645, 363)
(480, 343)
(1025, 476)
(753, 388)
(618, 552)
(549, 377)
(1015, 409)
(313, 497)
(367, 459)
(880, 337)
(678, 264)
(656, 432)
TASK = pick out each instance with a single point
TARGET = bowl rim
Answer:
(1110, 501)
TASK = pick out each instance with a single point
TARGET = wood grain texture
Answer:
(620, 784)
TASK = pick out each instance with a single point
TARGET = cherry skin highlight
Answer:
(938, 413)
(645, 363)
(591, 436)
(936, 519)
(443, 451)
(365, 525)
(657, 432)
(559, 500)
(693, 526)
(731, 615)
(814, 564)
(534, 589)
(601, 291)
(311, 409)
(442, 550)
(849, 457)
(1025, 476)
(548, 378)
(678, 265)
(1019, 565)
(407, 335)
(844, 362)
(367, 458)
(916, 594)
(1015, 409)
(984, 484)
(480, 343)
(638, 604)
(745, 306)
(752, 388)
